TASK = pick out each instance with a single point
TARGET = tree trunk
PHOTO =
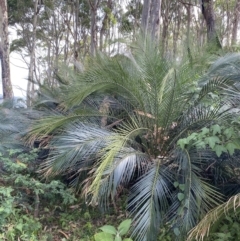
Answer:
(145, 15)
(105, 25)
(165, 16)
(76, 28)
(4, 51)
(176, 30)
(30, 85)
(151, 18)
(93, 6)
(155, 13)
(189, 17)
(235, 22)
(228, 24)
(208, 14)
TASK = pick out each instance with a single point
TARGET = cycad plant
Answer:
(154, 127)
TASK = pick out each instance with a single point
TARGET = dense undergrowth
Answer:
(31, 209)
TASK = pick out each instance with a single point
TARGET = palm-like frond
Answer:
(149, 200)
(194, 196)
(119, 123)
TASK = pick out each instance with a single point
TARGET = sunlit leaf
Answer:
(109, 229)
(180, 196)
(124, 226)
(103, 237)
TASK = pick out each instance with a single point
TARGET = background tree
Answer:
(151, 17)
(209, 16)
(235, 22)
(32, 61)
(4, 51)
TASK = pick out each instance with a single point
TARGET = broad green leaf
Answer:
(109, 229)
(219, 149)
(180, 196)
(19, 226)
(205, 131)
(212, 141)
(175, 184)
(182, 143)
(127, 239)
(193, 136)
(200, 144)
(103, 237)
(228, 132)
(182, 187)
(231, 147)
(216, 129)
(124, 226)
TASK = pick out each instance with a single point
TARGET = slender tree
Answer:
(30, 86)
(235, 22)
(93, 6)
(151, 17)
(209, 16)
(4, 51)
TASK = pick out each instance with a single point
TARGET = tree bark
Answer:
(155, 13)
(93, 6)
(30, 85)
(105, 23)
(165, 16)
(4, 51)
(208, 14)
(235, 22)
(145, 15)
(151, 18)
(76, 28)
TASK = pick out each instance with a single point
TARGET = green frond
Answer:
(118, 143)
(79, 144)
(149, 200)
(55, 123)
(194, 197)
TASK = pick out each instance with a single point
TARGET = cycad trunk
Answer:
(4, 51)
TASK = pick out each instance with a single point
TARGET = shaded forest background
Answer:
(51, 33)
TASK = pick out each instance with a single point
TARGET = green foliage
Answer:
(226, 229)
(219, 138)
(166, 234)
(110, 233)
(221, 223)
(6, 203)
(13, 223)
(22, 195)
